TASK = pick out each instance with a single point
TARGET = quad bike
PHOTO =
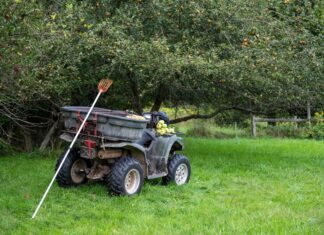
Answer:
(120, 148)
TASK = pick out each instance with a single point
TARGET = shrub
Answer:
(286, 130)
(199, 130)
(4, 147)
(317, 130)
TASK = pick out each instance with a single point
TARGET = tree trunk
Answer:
(272, 115)
(48, 136)
(158, 99)
(10, 133)
(27, 140)
(136, 103)
(176, 112)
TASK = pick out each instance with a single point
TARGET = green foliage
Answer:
(199, 130)
(287, 130)
(264, 56)
(211, 129)
(195, 46)
(261, 186)
(4, 147)
(317, 130)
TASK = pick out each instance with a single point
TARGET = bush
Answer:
(203, 128)
(286, 130)
(317, 130)
(199, 130)
(4, 147)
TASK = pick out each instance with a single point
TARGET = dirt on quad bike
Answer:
(121, 149)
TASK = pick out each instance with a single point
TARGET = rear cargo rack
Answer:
(103, 123)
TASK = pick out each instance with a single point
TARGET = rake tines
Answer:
(104, 85)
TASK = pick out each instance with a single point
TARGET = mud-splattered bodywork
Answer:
(110, 135)
(155, 155)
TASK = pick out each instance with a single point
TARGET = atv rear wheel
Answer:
(179, 170)
(73, 171)
(126, 177)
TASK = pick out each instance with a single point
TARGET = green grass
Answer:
(267, 186)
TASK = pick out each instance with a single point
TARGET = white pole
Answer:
(65, 156)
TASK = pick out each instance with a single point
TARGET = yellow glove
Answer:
(161, 131)
(160, 124)
(171, 131)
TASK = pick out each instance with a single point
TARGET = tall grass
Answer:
(208, 128)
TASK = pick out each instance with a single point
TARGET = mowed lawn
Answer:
(264, 186)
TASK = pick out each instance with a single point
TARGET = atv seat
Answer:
(147, 138)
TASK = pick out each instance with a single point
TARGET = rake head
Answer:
(104, 85)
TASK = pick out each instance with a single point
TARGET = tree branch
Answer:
(198, 116)
(211, 115)
(48, 136)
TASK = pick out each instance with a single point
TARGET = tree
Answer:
(260, 57)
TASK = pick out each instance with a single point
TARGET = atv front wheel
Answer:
(126, 177)
(179, 170)
(73, 171)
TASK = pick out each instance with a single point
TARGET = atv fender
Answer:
(168, 144)
(137, 150)
(125, 145)
(159, 153)
(177, 145)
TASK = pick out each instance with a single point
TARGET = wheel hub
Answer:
(78, 171)
(181, 174)
(132, 181)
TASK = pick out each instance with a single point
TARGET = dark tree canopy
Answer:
(261, 57)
